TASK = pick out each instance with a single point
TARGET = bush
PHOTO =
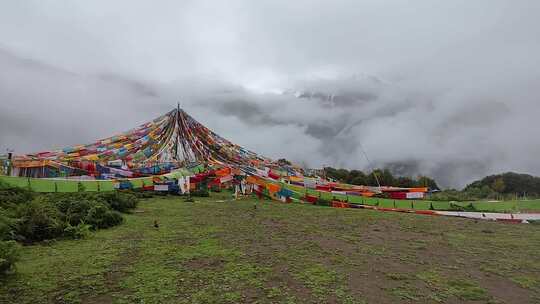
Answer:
(7, 225)
(100, 216)
(119, 201)
(9, 254)
(455, 207)
(142, 193)
(11, 197)
(35, 217)
(39, 220)
(80, 231)
(74, 210)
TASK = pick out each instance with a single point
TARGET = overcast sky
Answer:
(445, 88)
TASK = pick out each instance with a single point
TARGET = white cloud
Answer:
(451, 87)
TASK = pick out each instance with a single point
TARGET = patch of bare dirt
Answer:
(116, 273)
(502, 288)
(281, 278)
(204, 263)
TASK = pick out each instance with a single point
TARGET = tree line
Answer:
(378, 176)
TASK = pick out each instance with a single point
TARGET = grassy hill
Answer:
(217, 251)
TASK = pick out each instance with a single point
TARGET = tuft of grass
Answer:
(319, 279)
(467, 290)
(444, 287)
(527, 281)
(397, 276)
(406, 292)
(151, 283)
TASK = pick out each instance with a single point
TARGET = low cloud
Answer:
(449, 91)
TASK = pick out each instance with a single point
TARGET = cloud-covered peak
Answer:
(449, 90)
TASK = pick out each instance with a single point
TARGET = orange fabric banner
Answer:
(255, 180)
(252, 180)
(223, 172)
(30, 163)
(272, 187)
(295, 179)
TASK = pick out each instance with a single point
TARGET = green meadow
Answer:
(216, 250)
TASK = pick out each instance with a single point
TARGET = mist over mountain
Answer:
(452, 92)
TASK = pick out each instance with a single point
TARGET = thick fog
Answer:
(450, 89)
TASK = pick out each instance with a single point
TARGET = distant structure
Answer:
(171, 141)
(174, 151)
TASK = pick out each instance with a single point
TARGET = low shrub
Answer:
(101, 216)
(142, 193)
(31, 217)
(119, 201)
(9, 254)
(39, 220)
(11, 196)
(7, 225)
(468, 207)
(80, 231)
(74, 210)
(54, 215)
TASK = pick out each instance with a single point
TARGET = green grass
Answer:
(251, 251)
(444, 287)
